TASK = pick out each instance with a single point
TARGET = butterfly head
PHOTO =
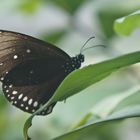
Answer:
(81, 57)
(76, 61)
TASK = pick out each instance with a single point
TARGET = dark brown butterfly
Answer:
(31, 70)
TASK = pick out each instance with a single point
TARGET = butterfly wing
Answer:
(30, 70)
(16, 48)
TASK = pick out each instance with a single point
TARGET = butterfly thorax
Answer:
(74, 63)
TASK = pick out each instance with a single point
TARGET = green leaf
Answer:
(132, 100)
(83, 78)
(128, 24)
(107, 115)
(28, 122)
(107, 17)
(92, 129)
(110, 104)
(27, 125)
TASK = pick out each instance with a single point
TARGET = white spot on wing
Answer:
(2, 78)
(14, 92)
(15, 56)
(12, 98)
(15, 102)
(6, 72)
(33, 110)
(1, 64)
(25, 98)
(30, 101)
(7, 90)
(27, 108)
(10, 86)
(28, 50)
(35, 104)
(20, 96)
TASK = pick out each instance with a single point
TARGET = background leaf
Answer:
(107, 18)
(90, 130)
(128, 24)
(111, 104)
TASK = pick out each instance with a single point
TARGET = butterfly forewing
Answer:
(30, 70)
(16, 48)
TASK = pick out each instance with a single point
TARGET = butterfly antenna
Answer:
(81, 50)
(94, 47)
(83, 47)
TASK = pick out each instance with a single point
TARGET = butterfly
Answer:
(31, 70)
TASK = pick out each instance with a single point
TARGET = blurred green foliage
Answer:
(107, 18)
(69, 5)
(78, 19)
(53, 37)
(29, 6)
